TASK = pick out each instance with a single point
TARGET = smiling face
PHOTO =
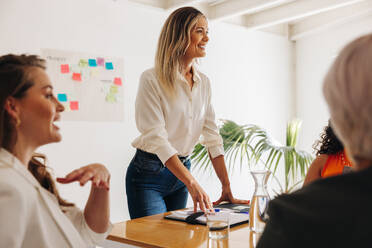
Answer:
(198, 39)
(38, 110)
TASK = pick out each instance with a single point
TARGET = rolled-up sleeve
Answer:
(211, 137)
(150, 120)
(77, 218)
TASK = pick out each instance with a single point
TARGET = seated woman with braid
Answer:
(331, 159)
(32, 213)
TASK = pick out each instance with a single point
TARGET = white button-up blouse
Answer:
(174, 126)
(30, 216)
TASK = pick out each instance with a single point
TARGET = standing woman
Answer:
(32, 213)
(173, 109)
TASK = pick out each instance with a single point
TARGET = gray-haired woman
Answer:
(335, 212)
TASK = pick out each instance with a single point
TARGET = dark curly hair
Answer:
(329, 143)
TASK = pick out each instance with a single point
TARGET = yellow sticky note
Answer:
(114, 89)
(94, 71)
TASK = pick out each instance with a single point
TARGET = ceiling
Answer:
(293, 18)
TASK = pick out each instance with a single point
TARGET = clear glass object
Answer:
(218, 224)
(259, 202)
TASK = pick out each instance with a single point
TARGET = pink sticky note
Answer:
(117, 81)
(65, 68)
(100, 62)
(76, 76)
(74, 105)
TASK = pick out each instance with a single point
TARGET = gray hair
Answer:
(348, 91)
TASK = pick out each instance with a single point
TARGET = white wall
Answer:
(314, 55)
(251, 75)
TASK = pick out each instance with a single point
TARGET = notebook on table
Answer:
(240, 214)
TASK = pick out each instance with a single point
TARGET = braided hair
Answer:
(14, 82)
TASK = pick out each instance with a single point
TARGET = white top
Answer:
(174, 126)
(30, 215)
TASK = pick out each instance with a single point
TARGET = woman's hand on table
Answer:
(199, 197)
(97, 173)
(227, 195)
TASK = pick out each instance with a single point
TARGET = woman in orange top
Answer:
(331, 158)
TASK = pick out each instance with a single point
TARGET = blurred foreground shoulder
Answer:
(15, 208)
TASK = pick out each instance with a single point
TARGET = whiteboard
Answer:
(90, 87)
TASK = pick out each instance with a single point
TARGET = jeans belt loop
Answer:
(183, 158)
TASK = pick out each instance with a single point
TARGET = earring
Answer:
(18, 122)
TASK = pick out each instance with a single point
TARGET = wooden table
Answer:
(155, 231)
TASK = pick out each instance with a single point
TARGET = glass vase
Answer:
(259, 202)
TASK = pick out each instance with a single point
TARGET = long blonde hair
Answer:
(348, 91)
(173, 42)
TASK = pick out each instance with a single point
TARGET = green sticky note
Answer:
(110, 98)
(83, 63)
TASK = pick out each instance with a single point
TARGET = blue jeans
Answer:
(151, 188)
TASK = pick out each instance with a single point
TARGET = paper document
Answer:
(181, 215)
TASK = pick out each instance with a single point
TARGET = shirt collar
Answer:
(9, 160)
(72, 236)
(196, 76)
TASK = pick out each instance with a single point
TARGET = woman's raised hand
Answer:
(97, 173)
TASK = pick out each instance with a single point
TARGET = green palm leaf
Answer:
(249, 143)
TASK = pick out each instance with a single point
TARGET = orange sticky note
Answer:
(65, 68)
(76, 76)
(117, 81)
(74, 105)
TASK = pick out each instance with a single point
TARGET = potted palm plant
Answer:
(251, 144)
